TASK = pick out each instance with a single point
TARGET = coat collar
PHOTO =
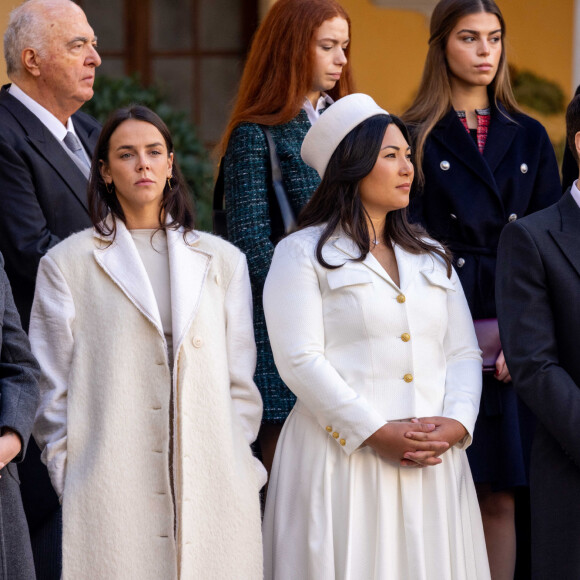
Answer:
(451, 134)
(42, 140)
(408, 264)
(188, 267)
(567, 237)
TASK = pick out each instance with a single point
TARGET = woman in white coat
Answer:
(370, 329)
(143, 329)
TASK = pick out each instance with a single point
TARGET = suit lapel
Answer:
(42, 140)
(568, 237)
(188, 267)
(122, 263)
(88, 135)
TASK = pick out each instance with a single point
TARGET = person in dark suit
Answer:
(538, 284)
(481, 163)
(51, 57)
(18, 401)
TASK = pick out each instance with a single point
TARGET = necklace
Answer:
(376, 242)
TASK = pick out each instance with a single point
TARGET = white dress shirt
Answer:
(575, 192)
(314, 112)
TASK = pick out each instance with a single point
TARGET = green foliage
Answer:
(537, 92)
(113, 93)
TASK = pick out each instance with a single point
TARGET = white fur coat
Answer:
(104, 420)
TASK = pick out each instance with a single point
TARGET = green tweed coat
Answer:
(247, 178)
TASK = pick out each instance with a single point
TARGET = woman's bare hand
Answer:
(390, 442)
(501, 370)
(448, 430)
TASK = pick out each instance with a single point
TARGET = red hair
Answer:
(279, 69)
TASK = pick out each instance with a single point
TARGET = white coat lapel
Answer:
(188, 267)
(122, 263)
(409, 265)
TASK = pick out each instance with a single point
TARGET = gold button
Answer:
(405, 337)
(401, 298)
(329, 428)
(343, 442)
(408, 378)
(335, 435)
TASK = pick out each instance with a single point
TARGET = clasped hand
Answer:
(10, 446)
(417, 443)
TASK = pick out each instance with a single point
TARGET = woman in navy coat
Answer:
(481, 164)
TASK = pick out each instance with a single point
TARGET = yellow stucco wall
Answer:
(389, 46)
(5, 7)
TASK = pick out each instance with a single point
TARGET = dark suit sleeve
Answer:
(528, 337)
(19, 371)
(25, 235)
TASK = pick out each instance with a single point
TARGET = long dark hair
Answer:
(433, 100)
(337, 202)
(176, 200)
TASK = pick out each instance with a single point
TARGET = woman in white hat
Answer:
(371, 330)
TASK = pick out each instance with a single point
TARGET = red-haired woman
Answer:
(297, 65)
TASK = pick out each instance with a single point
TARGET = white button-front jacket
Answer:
(357, 350)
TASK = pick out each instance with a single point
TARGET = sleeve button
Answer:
(335, 435)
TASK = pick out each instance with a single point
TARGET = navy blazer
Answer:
(43, 194)
(468, 198)
(538, 285)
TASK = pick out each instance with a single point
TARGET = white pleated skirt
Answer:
(333, 517)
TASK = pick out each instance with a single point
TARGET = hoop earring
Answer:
(110, 188)
(169, 183)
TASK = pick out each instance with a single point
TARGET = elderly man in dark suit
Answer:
(45, 153)
(18, 400)
(538, 302)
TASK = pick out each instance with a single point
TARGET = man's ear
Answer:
(577, 144)
(31, 61)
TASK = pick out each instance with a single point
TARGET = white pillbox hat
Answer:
(333, 126)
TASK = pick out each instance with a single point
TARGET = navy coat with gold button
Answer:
(468, 197)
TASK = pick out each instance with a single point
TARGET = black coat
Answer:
(18, 401)
(468, 204)
(538, 290)
(43, 199)
(43, 194)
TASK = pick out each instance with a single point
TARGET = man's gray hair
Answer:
(23, 31)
